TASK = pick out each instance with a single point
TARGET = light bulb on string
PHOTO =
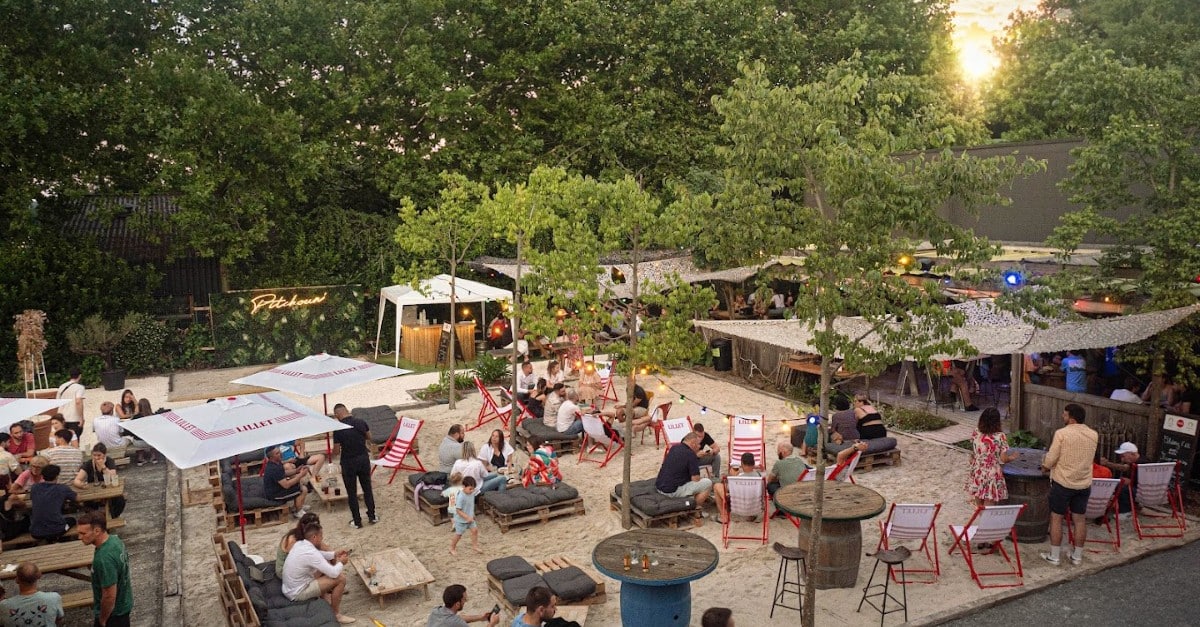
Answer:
(682, 398)
(703, 410)
(661, 386)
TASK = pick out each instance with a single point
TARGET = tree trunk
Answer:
(516, 349)
(631, 326)
(453, 329)
(808, 615)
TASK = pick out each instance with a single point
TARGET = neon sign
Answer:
(274, 301)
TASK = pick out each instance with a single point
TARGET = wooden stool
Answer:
(783, 585)
(891, 558)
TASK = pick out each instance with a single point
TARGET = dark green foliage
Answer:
(142, 351)
(906, 419)
(491, 369)
(244, 336)
(1024, 439)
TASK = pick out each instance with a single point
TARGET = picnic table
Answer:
(390, 571)
(661, 594)
(94, 492)
(846, 506)
(62, 558)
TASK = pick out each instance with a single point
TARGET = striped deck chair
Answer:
(747, 497)
(399, 446)
(657, 416)
(594, 437)
(1157, 487)
(991, 525)
(608, 389)
(746, 436)
(1102, 504)
(523, 414)
(674, 430)
(912, 521)
(845, 470)
(490, 410)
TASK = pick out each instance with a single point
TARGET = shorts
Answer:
(462, 527)
(311, 591)
(692, 488)
(284, 498)
(1062, 498)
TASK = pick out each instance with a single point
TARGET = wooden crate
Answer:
(555, 563)
(645, 521)
(435, 514)
(870, 461)
(541, 514)
(255, 518)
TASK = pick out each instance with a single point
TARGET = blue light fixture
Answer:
(1013, 278)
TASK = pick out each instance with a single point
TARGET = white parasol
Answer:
(18, 409)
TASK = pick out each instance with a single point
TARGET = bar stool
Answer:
(891, 558)
(788, 555)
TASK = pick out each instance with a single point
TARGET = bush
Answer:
(491, 369)
(906, 419)
(1024, 439)
(143, 349)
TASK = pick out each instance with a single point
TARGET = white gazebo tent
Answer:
(434, 291)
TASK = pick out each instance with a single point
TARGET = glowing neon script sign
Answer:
(273, 301)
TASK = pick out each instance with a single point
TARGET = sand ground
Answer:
(931, 472)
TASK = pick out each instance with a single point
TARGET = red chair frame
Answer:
(656, 425)
(1108, 515)
(391, 455)
(726, 536)
(490, 410)
(608, 389)
(1174, 498)
(590, 444)
(965, 538)
(885, 539)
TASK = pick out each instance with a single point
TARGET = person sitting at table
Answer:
(641, 410)
(46, 500)
(109, 432)
(294, 535)
(30, 476)
(57, 423)
(127, 408)
(31, 606)
(449, 613)
(469, 465)
(450, 449)
(1127, 456)
(710, 452)
(100, 467)
(21, 443)
(540, 607)
(554, 373)
(589, 383)
(569, 422)
(554, 400)
(679, 476)
(294, 456)
(786, 470)
(1131, 393)
(496, 453)
(869, 422)
(309, 572)
(9, 466)
(281, 486)
(66, 457)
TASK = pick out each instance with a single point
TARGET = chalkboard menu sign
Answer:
(1179, 442)
(443, 353)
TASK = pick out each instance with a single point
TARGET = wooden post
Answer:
(1154, 429)
(1016, 390)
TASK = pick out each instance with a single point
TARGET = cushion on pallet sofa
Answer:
(252, 494)
(570, 584)
(516, 588)
(381, 420)
(647, 500)
(430, 478)
(509, 567)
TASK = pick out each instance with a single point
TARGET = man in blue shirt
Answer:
(679, 475)
(281, 485)
(1076, 372)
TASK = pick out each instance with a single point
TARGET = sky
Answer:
(975, 23)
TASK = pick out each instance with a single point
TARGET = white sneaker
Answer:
(1076, 560)
(1049, 558)
(300, 513)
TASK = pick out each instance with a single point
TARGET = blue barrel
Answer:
(651, 606)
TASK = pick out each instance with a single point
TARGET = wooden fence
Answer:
(1115, 421)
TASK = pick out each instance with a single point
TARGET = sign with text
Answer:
(1179, 442)
(282, 324)
(447, 336)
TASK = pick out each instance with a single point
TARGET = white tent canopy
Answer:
(999, 334)
(434, 291)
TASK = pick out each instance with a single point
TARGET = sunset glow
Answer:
(976, 22)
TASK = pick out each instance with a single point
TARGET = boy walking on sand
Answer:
(464, 516)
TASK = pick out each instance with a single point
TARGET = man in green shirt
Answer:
(112, 591)
(787, 470)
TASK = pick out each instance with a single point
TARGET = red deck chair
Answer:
(810, 475)
(608, 389)
(674, 430)
(746, 436)
(657, 416)
(523, 414)
(399, 446)
(1102, 503)
(594, 438)
(747, 497)
(1155, 489)
(490, 410)
(912, 521)
(845, 470)
(991, 525)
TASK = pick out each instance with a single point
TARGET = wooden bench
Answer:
(79, 598)
(255, 518)
(26, 540)
(435, 514)
(497, 587)
(645, 521)
(235, 601)
(540, 514)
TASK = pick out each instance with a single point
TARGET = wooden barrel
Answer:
(1029, 487)
(840, 553)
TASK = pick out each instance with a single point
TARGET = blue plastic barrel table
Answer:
(661, 594)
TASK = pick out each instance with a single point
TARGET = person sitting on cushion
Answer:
(679, 476)
(870, 422)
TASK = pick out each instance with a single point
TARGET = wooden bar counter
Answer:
(419, 344)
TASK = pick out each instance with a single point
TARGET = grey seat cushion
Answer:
(570, 584)
(516, 588)
(539, 428)
(313, 613)
(381, 419)
(647, 500)
(430, 478)
(514, 500)
(509, 567)
(878, 445)
(252, 494)
(557, 493)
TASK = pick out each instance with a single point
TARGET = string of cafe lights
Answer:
(705, 408)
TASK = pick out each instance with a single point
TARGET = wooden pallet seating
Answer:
(563, 445)
(535, 504)
(257, 510)
(649, 508)
(432, 505)
(558, 563)
(869, 461)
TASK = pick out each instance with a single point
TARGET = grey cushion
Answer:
(646, 499)
(509, 567)
(570, 584)
(549, 434)
(381, 419)
(516, 588)
(314, 613)
(235, 552)
(514, 500)
(252, 494)
(258, 601)
(434, 497)
(557, 493)
(878, 445)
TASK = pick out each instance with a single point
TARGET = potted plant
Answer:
(100, 337)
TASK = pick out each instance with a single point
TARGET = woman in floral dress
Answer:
(985, 481)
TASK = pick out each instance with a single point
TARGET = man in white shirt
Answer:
(309, 572)
(568, 422)
(1131, 393)
(73, 391)
(527, 381)
(108, 430)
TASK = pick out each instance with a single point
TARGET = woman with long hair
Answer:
(128, 405)
(989, 452)
(58, 423)
(293, 536)
(471, 466)
(496, 452)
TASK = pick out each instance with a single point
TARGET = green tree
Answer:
(444, 235)
(818, 162)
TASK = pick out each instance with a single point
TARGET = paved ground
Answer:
(1157, 590)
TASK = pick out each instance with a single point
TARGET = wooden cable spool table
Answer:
(662, 594)
(846, 506)
(1029, 486)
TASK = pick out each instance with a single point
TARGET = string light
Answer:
(661, 386)
(703, 410)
